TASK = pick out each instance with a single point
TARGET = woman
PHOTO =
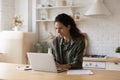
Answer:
(68, 46)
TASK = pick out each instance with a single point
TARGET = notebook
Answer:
(43, 62)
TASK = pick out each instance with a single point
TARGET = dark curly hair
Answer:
(68, 20)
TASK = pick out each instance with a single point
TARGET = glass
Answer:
(43, 15)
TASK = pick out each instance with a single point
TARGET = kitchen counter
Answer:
(102, 59)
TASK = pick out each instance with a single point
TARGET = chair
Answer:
(86, 43)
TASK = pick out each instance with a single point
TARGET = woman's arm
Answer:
(78, 55)
(64, 66)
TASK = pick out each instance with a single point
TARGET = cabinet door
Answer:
(113, 66)
(94, 65)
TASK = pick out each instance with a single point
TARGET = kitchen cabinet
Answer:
(113, 66)
(94, 65)
(101, 63)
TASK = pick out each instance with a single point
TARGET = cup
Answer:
(49, 51)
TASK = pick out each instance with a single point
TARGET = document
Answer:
(79, 72)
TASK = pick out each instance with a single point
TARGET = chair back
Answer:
(86, 43)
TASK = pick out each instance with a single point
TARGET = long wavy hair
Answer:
(68, 20)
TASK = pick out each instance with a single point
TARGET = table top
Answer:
(8, 71)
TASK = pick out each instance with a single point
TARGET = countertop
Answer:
(110, 59)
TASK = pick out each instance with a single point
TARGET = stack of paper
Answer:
(79, 72)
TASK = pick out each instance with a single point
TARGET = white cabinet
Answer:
(15, 44)
(113, 66)
(94, 65)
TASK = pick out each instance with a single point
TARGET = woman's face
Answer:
(62, 30)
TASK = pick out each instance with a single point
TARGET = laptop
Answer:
(43, 62)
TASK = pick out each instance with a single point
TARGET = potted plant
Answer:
(17, 22)
(117, 49)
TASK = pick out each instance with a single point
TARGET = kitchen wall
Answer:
(103, 31)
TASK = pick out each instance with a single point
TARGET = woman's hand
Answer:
(64, 66)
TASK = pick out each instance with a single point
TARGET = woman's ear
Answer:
(69, 27)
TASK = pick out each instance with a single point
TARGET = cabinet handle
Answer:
(116, 63)
(96, 65)
(90, 64)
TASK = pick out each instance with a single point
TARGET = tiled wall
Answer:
(103, 31)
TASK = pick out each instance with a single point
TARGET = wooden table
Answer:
(8, 71)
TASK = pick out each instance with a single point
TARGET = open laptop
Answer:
(43, 62)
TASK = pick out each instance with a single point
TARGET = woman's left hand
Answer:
(64, 66)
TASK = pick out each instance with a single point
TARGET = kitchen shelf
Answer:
(57, 7)
(44, 20)
(50, 20)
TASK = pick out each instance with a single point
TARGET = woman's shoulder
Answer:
(79, 38)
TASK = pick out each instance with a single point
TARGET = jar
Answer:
(43, 15)
(77, 16)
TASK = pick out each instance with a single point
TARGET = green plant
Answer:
(117, 49)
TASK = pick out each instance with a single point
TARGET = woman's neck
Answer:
(67, 38)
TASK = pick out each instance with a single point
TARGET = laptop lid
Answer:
(42, 62)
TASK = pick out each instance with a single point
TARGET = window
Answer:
(6, 14)
(0, 15)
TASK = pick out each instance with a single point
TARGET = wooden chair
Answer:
(86, 43)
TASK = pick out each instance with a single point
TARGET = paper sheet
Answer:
(79, 72)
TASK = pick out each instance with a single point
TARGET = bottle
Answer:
(38, 47)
